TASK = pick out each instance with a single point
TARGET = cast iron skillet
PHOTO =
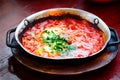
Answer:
(34, 18)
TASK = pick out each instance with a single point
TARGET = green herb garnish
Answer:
(56, 43)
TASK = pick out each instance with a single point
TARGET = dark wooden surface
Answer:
(13, 11)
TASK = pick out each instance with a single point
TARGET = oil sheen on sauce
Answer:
(63, 38)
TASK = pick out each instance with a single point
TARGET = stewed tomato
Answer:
(63, 38)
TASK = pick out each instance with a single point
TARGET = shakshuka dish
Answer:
(63, 37)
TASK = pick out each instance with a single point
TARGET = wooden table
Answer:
(13, 11)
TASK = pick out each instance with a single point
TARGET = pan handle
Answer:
(116, 36)
(8, 41)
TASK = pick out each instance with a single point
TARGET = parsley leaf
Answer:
(56, 43)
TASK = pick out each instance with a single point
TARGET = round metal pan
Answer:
(32, 19)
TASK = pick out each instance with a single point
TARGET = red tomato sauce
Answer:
(80, 35)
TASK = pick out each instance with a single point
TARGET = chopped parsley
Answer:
(56, 43)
